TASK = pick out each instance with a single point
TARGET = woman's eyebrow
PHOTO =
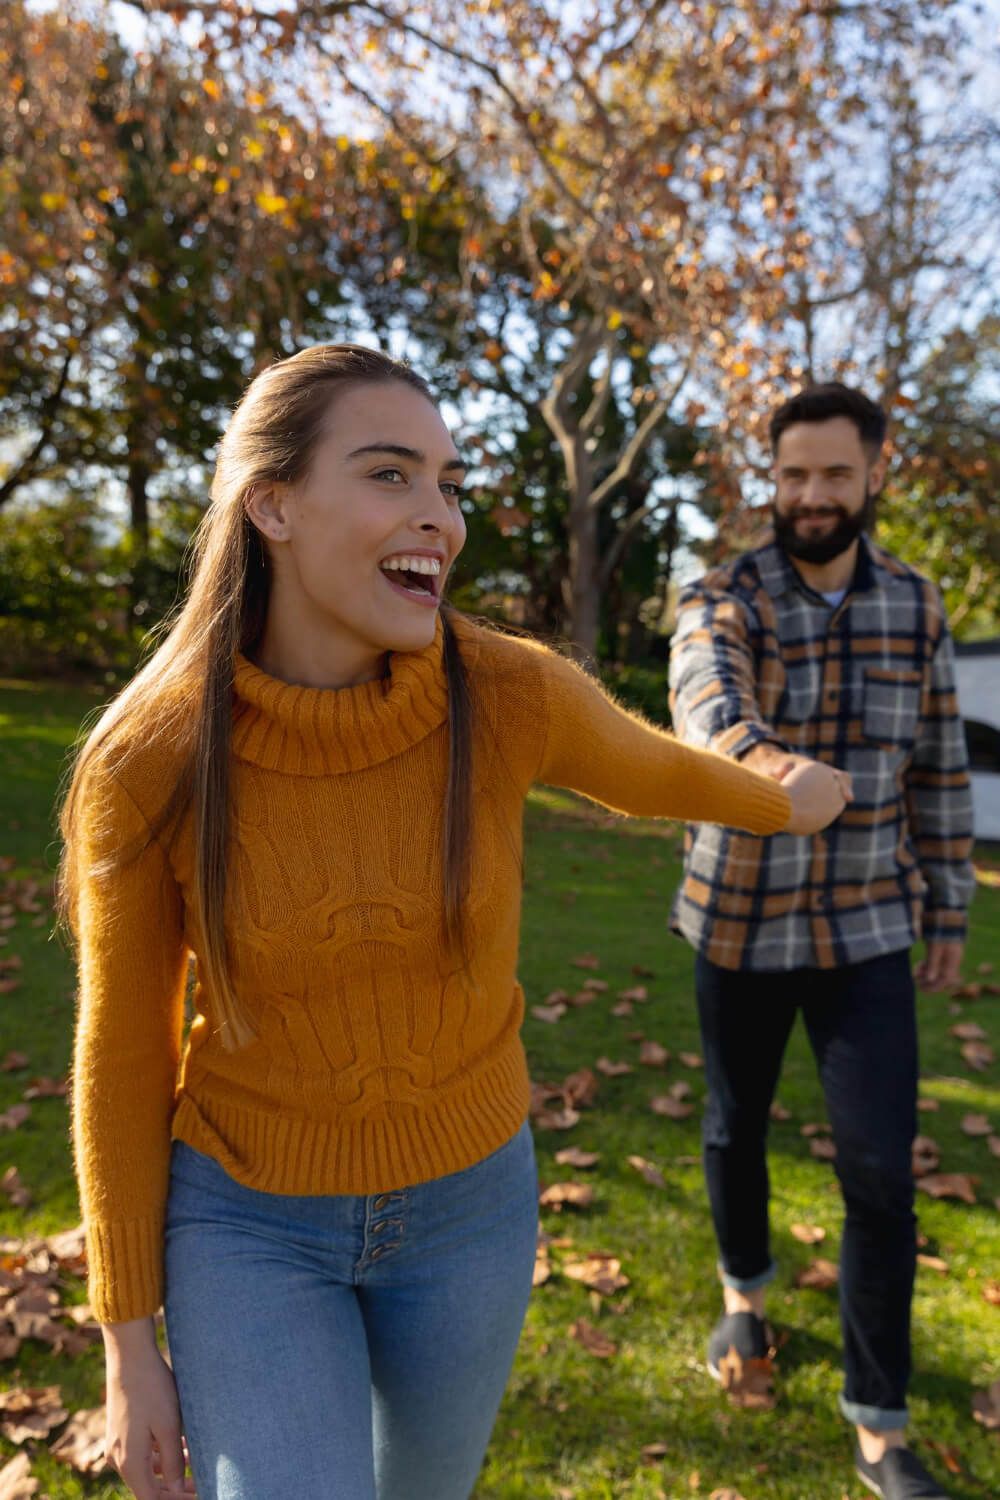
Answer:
(398, 450)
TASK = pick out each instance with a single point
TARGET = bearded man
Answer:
(822, 645)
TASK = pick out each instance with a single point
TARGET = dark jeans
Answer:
(861, 1021)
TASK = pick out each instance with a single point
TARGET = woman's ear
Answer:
(266, 505)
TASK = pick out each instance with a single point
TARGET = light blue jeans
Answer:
(346, 1347)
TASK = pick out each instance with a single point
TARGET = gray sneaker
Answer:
(899, 1475)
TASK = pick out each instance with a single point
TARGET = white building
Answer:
(977, 675)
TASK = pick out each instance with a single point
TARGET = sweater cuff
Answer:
(125, 1269)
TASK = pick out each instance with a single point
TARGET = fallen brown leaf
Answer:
(747, 1382)
(823, 1149)
(978, 1055)
(543, 1267)
(948, 1455)
(549, 1013)
(949, 1185)
(559, 1194)
(928, 1106)
(674, 1109)
(638, 993)
(46, 1088)
(808, 1234)
(30, 1412)
(574, 1156)
(82, 1444)
(653, 1055)
(820, 1275)
(975, 1125)
(933, 1263)
(602, 1273)
(991, 1293)
(16, 1482)
(13, 1062)
(622, 1008)
(592, 1339)
(581, 1087)
(11, 1184)
(647, 1170)
(815, 1127)
(595, 986)
(586, 961)
(926, 1155)
(968, 1031)
(993, 1142)
(690, 1059)
(12, 1118)
(986, 1407)
(653, 1452)
(557, 1119)
(779, 1112)
(613, 1069)
(726, 1494)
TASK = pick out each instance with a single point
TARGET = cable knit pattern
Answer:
(376, 1063)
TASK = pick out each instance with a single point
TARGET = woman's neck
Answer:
(308, 660)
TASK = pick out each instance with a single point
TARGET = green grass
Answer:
(573, 1425)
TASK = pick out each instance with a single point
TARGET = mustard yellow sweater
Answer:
(375, 1065)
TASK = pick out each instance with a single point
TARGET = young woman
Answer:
(315, 786)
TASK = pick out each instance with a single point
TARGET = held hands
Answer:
(819, 794)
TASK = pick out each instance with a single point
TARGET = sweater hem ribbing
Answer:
(408, 1145)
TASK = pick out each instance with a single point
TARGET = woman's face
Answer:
(362, 544)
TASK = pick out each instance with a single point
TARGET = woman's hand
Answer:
(143, 1436)
(819, 794)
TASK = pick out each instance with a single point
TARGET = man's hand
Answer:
(940, 969)
(771, 760)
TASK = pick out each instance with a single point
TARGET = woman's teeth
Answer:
(412, 564)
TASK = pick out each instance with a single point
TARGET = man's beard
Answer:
(823, 549)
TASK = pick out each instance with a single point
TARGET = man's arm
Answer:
(713, 689)
(939, 807)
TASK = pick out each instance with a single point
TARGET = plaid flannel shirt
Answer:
(867, 686)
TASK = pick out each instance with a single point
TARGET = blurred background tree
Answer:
(613, 240)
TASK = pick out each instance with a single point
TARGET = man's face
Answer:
(825, 488)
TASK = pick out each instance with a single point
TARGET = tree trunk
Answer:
(584, 585)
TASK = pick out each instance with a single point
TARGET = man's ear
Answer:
(877, 472)
(266, 505)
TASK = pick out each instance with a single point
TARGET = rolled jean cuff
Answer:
(876, 1418)
(748, 1283)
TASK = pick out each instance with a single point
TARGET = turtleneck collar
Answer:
(326, 731)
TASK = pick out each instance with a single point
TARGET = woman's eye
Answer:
(391, 474)
(452, 490)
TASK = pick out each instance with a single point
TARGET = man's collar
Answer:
(779, 576)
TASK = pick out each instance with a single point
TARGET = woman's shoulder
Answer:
(502, 652)
(137, 772)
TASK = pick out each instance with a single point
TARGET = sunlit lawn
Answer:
(573, 1424)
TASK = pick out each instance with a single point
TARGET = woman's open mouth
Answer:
(415, 577)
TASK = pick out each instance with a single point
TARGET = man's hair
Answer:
(818, 403)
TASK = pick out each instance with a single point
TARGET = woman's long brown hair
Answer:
(182, 696)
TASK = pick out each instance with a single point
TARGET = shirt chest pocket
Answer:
(890, 709)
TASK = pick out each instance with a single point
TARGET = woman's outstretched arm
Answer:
(595, 746)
